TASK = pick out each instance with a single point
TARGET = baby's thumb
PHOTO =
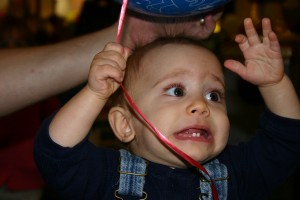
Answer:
(235, 67)
(127, 52)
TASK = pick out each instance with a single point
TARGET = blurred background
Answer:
(40, 22)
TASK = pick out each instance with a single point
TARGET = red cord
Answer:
(121, 20)
(156, 131)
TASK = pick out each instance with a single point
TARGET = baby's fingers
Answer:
(104, 79)
(113, 56)
(242, 42)
(112, 46)
(236, 67)
(274, 43)
(108, 72)
(266, 29)
(251, 33)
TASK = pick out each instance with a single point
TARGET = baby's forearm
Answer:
(282, 99)
(73, 122)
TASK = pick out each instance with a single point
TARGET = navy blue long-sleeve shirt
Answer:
(255, 168)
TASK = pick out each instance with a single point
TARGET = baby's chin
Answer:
(170, 160)
(176, 161)
(179, 163)
(198, 157)
(183, 164)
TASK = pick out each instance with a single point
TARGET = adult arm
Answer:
(28, 75)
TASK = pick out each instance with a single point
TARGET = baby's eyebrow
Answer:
(173, 74)
(218, 79)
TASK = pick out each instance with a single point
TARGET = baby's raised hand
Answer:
(107, 70)
(263, 63)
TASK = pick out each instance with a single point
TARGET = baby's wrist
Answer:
(94, 94)
(281, 81)
(282, 98)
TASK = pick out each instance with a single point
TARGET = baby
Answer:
(179, 86)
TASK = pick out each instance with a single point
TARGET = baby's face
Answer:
(181, 91)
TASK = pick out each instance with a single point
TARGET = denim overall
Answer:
(133, 170)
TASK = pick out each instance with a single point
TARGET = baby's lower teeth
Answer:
(196, 134)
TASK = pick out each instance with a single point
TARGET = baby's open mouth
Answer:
(194, 134)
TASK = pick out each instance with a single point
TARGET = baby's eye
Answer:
(214, 96)
(175, 91)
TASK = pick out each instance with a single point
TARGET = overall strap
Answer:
(219, 174)
(133, 170)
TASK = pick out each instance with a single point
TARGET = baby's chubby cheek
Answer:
(221, 139)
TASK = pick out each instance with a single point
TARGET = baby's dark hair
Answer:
(134, 62)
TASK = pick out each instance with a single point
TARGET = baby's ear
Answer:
(120, 121)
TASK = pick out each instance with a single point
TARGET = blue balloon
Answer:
(174, 8)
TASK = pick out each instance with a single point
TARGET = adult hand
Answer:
(139, 29)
